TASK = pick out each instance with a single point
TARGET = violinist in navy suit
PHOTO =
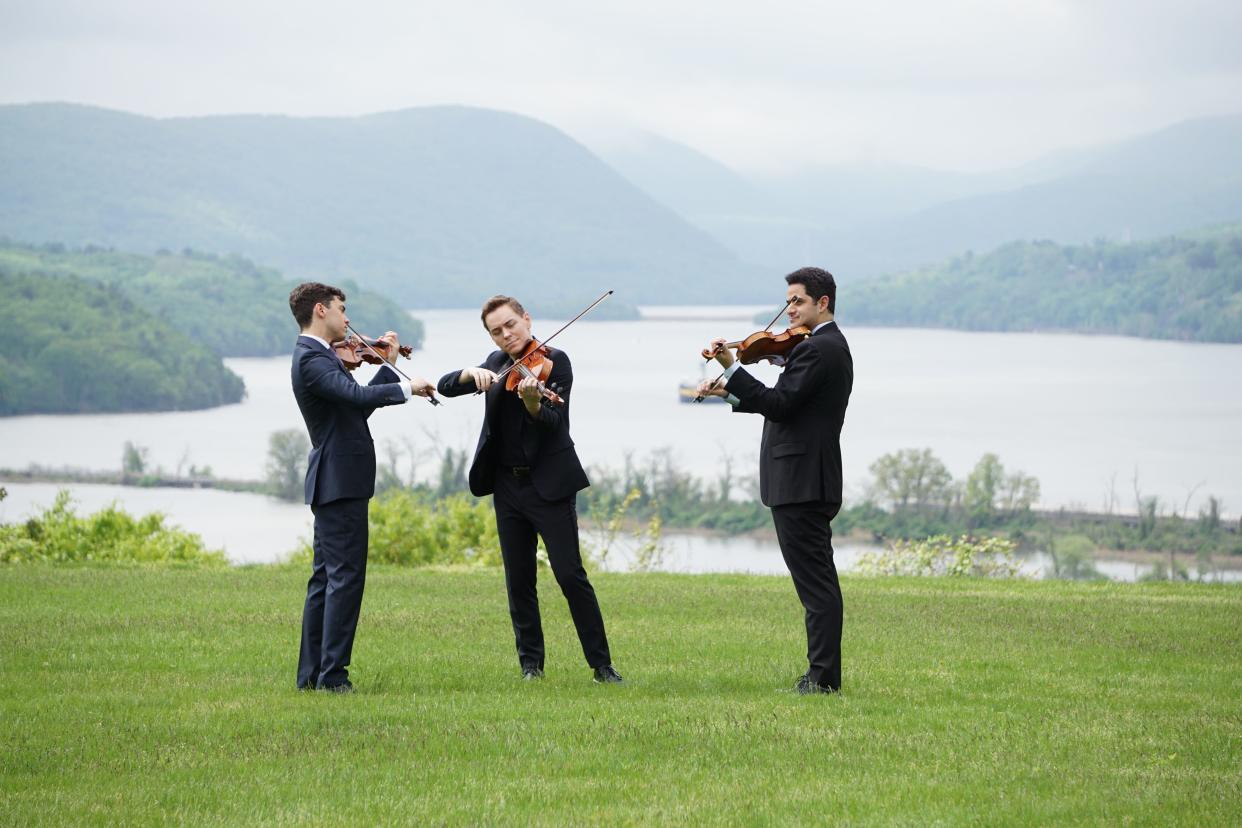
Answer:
(340, 477)
(800, 458)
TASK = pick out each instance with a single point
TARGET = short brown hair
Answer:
(495, 302)
(304, 297)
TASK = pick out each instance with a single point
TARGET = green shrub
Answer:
(110, 535)
(944, 555)
(409, 529)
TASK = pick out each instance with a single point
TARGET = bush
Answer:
(110, 535)
(944, 555)
(409, 529)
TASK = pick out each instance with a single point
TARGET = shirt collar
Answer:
(322, 342)
(820, 325)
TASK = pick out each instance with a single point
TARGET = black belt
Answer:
(517, 471)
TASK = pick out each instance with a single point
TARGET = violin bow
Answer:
(589, 308)
(766, 327)
(363, 341)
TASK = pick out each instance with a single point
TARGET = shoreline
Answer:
(765, 534)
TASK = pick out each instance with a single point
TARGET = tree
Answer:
(991, 493)
(452, 478)
(286, 463)
(133, 459)
(983, 485)
(912, 478)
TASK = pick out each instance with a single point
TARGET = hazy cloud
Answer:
(959, 83)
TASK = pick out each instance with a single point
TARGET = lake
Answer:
(1093, 418)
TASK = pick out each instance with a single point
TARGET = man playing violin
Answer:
(340, 477)
(800, 458)
(526, 460)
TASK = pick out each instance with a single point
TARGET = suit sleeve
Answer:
(324, 378)
(804, 374)
(386, 375)
(451, 386)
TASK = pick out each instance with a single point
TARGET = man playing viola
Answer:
(800, 458)
(340, 477)
(526, 460)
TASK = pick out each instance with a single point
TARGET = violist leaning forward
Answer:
(525, 459)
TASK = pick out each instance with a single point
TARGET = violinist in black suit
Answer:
(800, 458)
(526, 460)
(340, 477)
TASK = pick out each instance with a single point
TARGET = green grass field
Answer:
(144, 695)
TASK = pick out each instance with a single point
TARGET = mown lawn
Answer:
(144, 695)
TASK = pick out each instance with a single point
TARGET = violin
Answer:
(534, 363)
(774, 347)
(355, 350)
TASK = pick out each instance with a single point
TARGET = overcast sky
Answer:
(955, 84)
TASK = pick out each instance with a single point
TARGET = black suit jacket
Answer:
(800, 456)
(335, 408)
(555, 469)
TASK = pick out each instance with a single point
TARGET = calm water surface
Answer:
(1085, 415)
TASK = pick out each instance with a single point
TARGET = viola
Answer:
(534, 363)
(761, 345)
(355, 350)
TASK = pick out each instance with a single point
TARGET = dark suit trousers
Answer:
(805, 534)
(334, 592)
(521, 514)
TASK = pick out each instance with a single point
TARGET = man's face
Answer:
(334, 318)
(803, 310)
(508, 329)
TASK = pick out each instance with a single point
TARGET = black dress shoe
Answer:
(607, 675)
(531, 673)
(343, 687)
(806, 687)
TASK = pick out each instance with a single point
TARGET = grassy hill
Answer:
(965, 702)
(70, 346)
(1173, 288)
(439, 206)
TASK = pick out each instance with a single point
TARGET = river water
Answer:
(1093, 418)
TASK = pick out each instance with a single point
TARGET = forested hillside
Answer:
(72, 345)
(1172, 288)
(230, 305)
(435, 207)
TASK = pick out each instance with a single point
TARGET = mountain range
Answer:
(441, 206)
(864, 220)
(437, 206)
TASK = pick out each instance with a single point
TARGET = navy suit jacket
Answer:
(335, 408)
(555, 470)
(800, 455)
